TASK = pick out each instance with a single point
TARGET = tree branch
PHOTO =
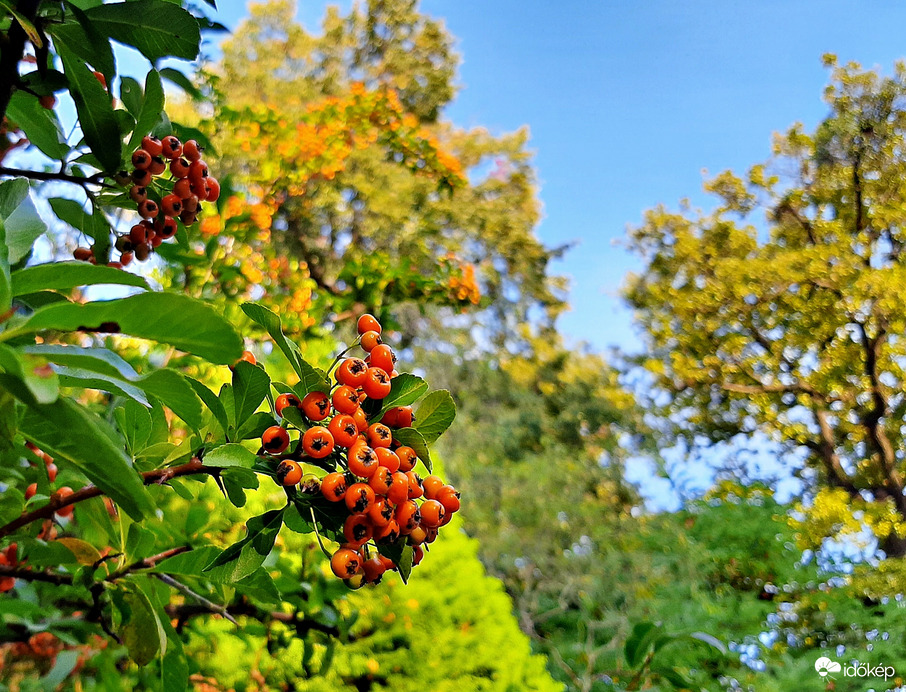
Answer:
(158, 476)
(45, 175)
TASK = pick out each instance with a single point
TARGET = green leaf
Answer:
(143, 633)
(39, 124)
(639, 643)
(310, 379)
(231, 454)
(254, 426)
(183, 322)
(83, 38)
(243, 558)
(99, 360)
(674, 676)
(410, 437)
(250, 386)
(183, 82)
(405, 563)
(21, 223)
(157, 29)
(405, 389)
(131, 95)
(92, 450)
(93, 225)
(435, 415)
(41, 382)
(212, 402)
(175, 393)
(236, 481)
(134, 422)
(152, 105)
(95, 111)
(64, 663)
(63, 276)
(192, 564)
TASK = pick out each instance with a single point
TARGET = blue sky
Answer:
(628, 102)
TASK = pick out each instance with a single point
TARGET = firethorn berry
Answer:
(285, 400)
(126, 258)
(333, 486)
(317, 442)
(399, 488)
(183, 189)
(449, 498)
(345, 400)
(158, 165)
(199, 187)
(188, 217)
(417, 536)
(352, 372)
(373, 570)
(387, 459)
(190, 203)
(171, 205)
(141, 177)
(407, 516)
(379, 435)
(51, 472)
(359, 498)
(368, 323)
(31, 491)
(166, 228)
(83, 254)
(62, 494)
(343, 429)
(198, 170)
(47, 101)
(388, 533)
(407, 457)
(138, 193)
(248, 357)
(381, 480)
(141, 159)
(213, 187)
(415, 485)
(171, 147)
(382, 357)
(316, 406)
(345, 563)
(417, 555)
(289, 472)
(362, 461)
(191, 150)
(142, 251)
(377, 383)
(433, 513)
(381, 512)
(275, 439)
(432, 484)
(357, 529)
(148, 209)
(138, 234)
(361, 419)
(101, 78)
(179, 169)
(152, 145)
(370, 340)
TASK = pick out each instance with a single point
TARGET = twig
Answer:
(148, 562)
(65, 177)
(210, 605)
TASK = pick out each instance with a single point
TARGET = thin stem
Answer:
(65, 177)
(210, 605)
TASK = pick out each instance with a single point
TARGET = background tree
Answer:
(780, 311)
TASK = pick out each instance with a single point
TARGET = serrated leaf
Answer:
(435, 414)
(40, 125)
(243, 558)
(134, 422)
(410, 437)
(95, 111)
(183, 322)
(405, 389)
(310, 379)
(157, 29)
(231, 454)
(150, 113)
(92, 451)
(250, 387)
(61, 276)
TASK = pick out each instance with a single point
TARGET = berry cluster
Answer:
(161, 200)
(49, 531)
(371, 491)
(9, 558)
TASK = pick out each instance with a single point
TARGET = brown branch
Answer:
(148, 562)
(45, 175)
(158, 477)
(29, 575)
(761, 388)
(302, 625)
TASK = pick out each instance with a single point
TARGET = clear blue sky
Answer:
(629, 101)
